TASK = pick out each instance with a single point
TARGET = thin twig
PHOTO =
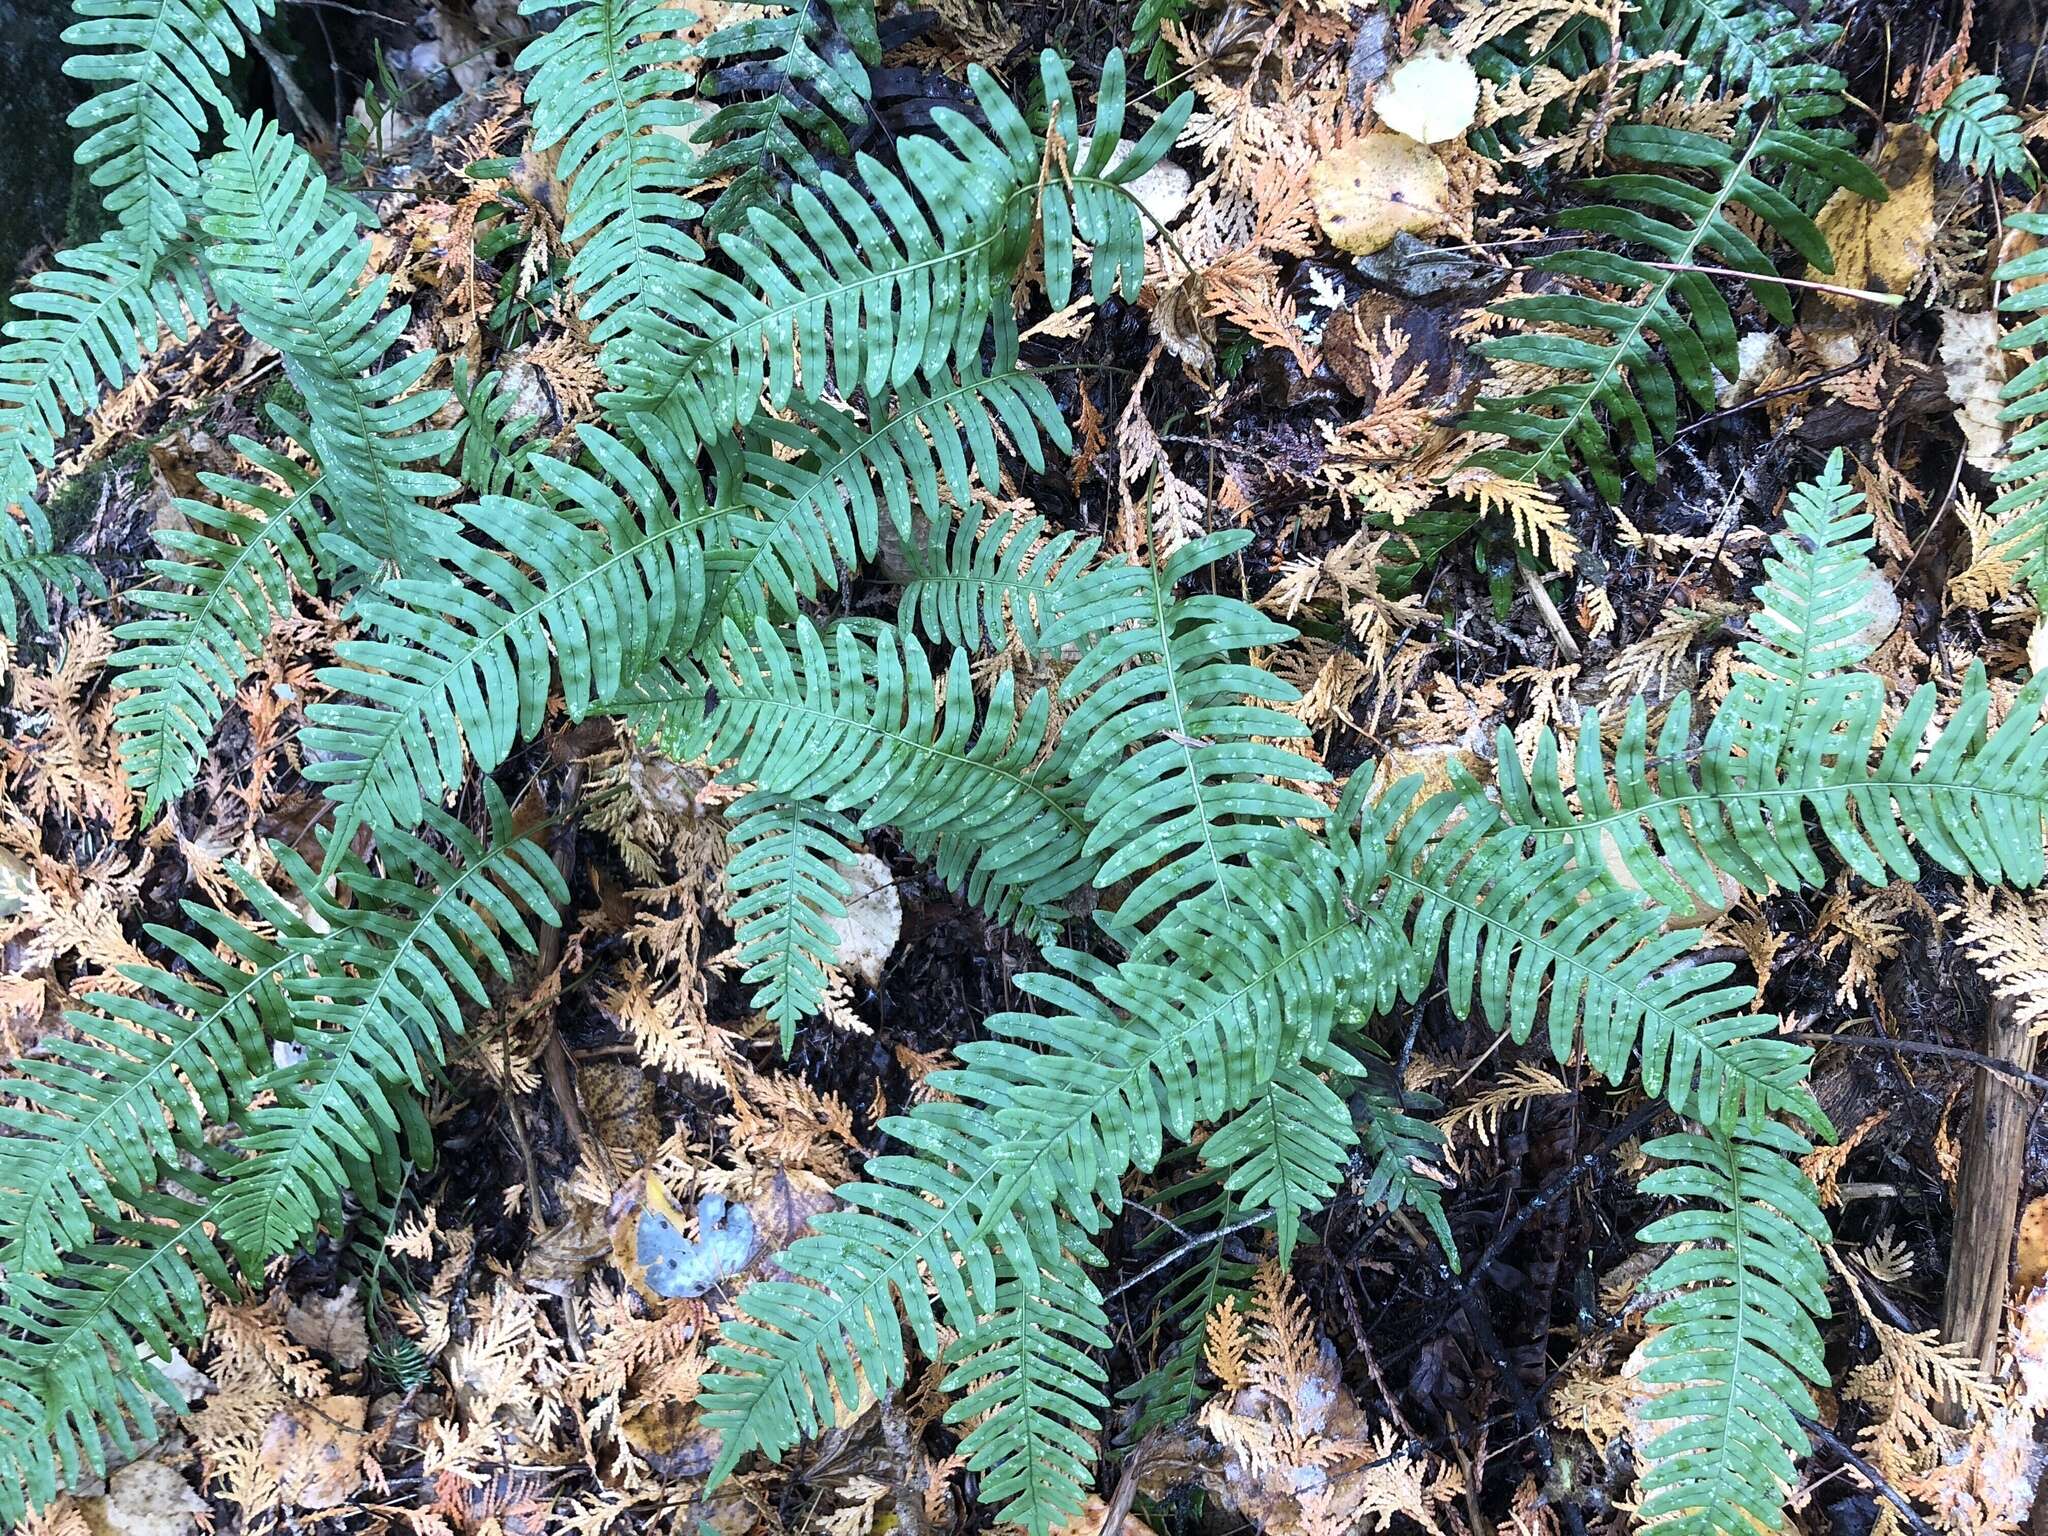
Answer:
(1878, 1483)
(1922, 1048)
(1889, 300)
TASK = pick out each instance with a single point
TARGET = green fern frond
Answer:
(497, 452)
(1802, 742)
(160, 64)
(288, 257)
(1285, 1151)
(1538, 936)
(1398, 1149)
(2022, 506)
(1617, 374)
(1977, 128)
(787, 888)
(30, 570)
(462, 662)
(383, 986)
(1171, 737)
(1736, 1350)
(994, 584)
(857, 724)
(803, 74)
(229, 576)
(819, 483)
(1036, 1390)
(911, 282)
(82, 326)
(1051, 1113)
(1171, 1390)
(108, 1112)
(1762, 51)
(81, 1353)
(608, 90)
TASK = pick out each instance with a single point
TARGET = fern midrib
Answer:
(1598, 384)
(1182, 737)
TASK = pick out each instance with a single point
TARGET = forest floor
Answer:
(486, 1357)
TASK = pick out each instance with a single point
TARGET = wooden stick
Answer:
(1988, 1192)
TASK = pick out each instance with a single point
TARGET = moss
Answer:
(73, 503)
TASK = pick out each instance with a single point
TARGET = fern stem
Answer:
(1890, 300)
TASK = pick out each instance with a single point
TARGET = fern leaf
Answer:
(1035, 1390)
(2022, 506)
(607, 585)
(1532, 936)
(805, 73)
(605, 90)
(1977, 128)
(81, 1353)
(858, 724)
(287, 256)
(30, 570)
(82, 326)
(229, 575)
(911, 282)
(384, 984)
(1286, 1150)
(1799, 742)
(1738, 1346)
(819, 483)
(1171, 733)
(787, 888)
(994, 584)
(107, 1112)
(159, 63)
(1616, 371)
(1051, 1113)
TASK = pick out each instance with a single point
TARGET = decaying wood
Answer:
(1988, 1192)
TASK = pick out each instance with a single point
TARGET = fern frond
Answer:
(229, 575)
(819, 483)
(911, 282)
(288, 257)
(1051, 1113)
(82, 326)
(30, 569)
(857, 724)
(994, 584)
(453, 674)
(1616, 372)
(2022, 506)
(787, 886)
(1171, 737)
(1172, 1389)
(1035, 1389)
(1801, 742)
(1542, 937)
(383, 987)
(108, 1112)
(1730, 1368)
(1286, 1150)
(1398, 1147)
(497, 450)
(1762, 51)
(1977, 128)
(805, 73)
(160, 64)
(81, 1353)
(608, 88)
